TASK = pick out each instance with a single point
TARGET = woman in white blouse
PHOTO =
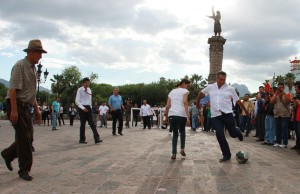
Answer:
(178, 114)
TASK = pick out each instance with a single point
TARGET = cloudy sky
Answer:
(139, 41)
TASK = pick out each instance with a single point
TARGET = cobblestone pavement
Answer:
(139, 162)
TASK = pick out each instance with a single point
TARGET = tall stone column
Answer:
(215, 56)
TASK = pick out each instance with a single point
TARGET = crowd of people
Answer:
(272, 114)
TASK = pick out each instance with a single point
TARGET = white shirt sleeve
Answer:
(77, 99)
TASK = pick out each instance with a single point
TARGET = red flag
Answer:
(267, 87)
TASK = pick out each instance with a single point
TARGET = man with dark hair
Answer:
(221, 97)
(245, 123)
(282, 112)
(20, 96)
(260, 117)
(262, 92)
(84, 102)
(55, 112)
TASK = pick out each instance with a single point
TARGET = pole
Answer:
(38, 92)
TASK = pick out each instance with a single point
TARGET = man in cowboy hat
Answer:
(21, 95)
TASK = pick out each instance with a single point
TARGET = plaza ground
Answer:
(139, 162)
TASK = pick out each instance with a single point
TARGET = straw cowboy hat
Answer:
(35, 45)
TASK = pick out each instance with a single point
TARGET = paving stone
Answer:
(139, 162)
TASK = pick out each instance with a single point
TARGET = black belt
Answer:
(222, 113)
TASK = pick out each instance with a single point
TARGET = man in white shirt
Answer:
(145, 113)
(84, 102)
(221, 96)
(103, 109)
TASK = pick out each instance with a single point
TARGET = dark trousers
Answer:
(45, 116)
(297, 132)
(146, 122)
(177, 123)
(208, 124)
(21, 148)
(219, 123)
(117, 115)
(72, 119)
(87, 116)
(282, 130)
(205, 122)
(260, 130)
(61, 117)
(127, 117)
(135, 119)
(245, 124)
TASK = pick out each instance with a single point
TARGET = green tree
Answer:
(3, 92)
(132, 92)
(154, 94)
(71, 81)
(279, 79)
(289, 80)
(57, 85)
(102, 91)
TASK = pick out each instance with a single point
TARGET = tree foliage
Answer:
(66, 84)
(3, 92)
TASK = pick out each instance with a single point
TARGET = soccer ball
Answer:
(242, 157)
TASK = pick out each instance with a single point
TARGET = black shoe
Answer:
(295, 148)
(7, 162)
(259, 140)
(173, 157)
(83, 142)
(121, 134)
(270, 144)
(26, 177)
(264, 143)
(98, 141)
(182, 153)
(114, 134)
(240, 135)
(224, 159)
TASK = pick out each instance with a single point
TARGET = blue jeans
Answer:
(194, 121)
(282, 130)
(177, 123)
(221, 122)
(270, 128)
(54, 119)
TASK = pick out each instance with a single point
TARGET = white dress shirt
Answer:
(220, 99)
(145, 110)
(83, 97)
(103, 109)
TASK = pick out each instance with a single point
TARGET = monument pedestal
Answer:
(215, 56)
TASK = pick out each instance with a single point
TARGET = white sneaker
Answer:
(283, 146)
(276, 145)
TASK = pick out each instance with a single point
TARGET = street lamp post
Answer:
(39, 73)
